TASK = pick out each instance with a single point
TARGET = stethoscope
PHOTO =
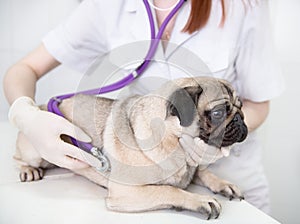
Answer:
(53, 104)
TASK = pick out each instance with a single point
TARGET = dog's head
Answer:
(210, 109)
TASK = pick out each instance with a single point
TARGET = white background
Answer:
(24, 23)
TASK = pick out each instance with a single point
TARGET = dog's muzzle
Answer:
(235, 131)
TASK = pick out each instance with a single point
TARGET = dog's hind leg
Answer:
(28, 160)
(94, 176)
(124, 198)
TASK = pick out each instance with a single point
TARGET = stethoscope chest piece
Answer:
(105, 165)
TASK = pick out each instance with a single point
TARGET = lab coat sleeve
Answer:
(78, 41)
(258, 71)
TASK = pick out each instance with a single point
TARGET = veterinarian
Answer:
(231, 37)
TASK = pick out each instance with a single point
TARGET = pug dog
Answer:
(141, 136)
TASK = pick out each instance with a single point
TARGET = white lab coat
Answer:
(115, 35)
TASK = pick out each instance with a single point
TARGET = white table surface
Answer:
(63, 197)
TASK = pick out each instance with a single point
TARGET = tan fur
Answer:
(149, 168)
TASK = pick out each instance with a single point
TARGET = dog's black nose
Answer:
(237, 118)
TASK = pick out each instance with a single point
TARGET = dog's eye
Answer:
(218, 114)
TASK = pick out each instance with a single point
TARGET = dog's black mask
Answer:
(235, 131)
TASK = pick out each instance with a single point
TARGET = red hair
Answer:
(200, 12)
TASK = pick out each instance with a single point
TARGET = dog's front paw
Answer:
(29, 173)
(209, 207)
(203, 204)
(228, 190)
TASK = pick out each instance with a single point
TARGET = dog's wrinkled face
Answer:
(221, 120)
(216, 109)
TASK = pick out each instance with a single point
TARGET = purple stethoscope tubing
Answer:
(53, 104)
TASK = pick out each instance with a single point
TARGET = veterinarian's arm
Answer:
(20, 79)
(255, 113)
(43, 129)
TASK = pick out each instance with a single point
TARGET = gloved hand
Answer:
(43, 129)
(200, 153)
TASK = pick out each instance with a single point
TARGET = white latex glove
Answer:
(43, 129)
(199, 152)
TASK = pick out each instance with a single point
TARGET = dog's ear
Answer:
(183, 104)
